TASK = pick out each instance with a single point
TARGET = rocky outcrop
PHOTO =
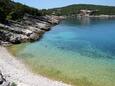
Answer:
(30, 28)
(3, 81)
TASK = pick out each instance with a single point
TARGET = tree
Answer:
(2, 16)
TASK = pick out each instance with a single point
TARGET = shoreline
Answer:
(28, 29)
(92, 16)
(15, 71)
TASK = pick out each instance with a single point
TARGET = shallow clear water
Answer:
(80, 52)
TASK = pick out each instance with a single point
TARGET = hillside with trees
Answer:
(14, 11)
(74, 9)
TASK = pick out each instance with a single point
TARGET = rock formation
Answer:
(30, 28)
(3, 81)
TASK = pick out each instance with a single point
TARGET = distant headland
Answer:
(83, 10)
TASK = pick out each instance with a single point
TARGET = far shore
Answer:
(91, 16)
(15, 71)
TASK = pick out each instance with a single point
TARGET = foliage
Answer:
(15, 11)
(2, 16)
(13, 84)
(74, 9)
(5, 9)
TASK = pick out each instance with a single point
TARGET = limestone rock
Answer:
(3, 81)
(30, 28)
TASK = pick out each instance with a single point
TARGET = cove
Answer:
(80, 52)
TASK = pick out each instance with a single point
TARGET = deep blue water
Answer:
(73, 35)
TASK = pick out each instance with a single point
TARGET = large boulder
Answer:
(43, 26)
(53, 19)
(27, 32)
(34, 37)
(1, 79)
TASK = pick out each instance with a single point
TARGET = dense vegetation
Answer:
(15, 11)
(74, 9)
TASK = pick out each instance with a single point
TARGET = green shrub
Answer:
(13, 84)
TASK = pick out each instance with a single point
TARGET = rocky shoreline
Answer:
(29, 29)
(3, 81)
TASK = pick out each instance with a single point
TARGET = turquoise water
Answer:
(77, 51)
